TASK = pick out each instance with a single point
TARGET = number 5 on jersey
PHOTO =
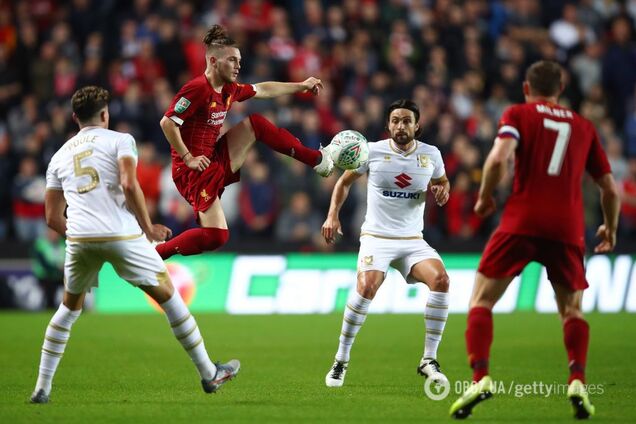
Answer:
(563, 130)
(85, 170)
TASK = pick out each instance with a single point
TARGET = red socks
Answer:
(478, 340)
(576, 335)
(283, 141)
(194, 241)
(479, 333)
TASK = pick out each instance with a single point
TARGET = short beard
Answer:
(402, 140)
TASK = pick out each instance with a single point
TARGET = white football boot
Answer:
(430, 368)
(224, 373)
(325, 167)
(336, 375)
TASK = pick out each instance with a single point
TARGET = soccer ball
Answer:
(349, 149)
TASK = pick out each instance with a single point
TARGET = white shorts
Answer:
(377, 254)
(136, 261)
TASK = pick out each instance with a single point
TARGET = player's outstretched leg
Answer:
(187, 332)
(354, 316)
(436, 314)
(193, 242)
(477, 392)
(57, 334)
(282, 141)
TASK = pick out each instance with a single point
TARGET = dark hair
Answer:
(544, 78)
(404, 104)
(88, 101)
(217, 37)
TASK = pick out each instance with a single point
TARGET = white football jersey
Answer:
(86, 169)
(396, 190)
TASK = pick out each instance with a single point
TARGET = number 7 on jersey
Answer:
(563, 130)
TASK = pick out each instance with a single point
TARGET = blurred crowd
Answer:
(462, 61)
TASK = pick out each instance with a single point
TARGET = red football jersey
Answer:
(200, 112)
(555, 146)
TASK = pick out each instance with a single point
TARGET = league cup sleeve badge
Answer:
(182, 105)
(368, 260)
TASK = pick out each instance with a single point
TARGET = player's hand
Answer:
(441, 194)
(159, 232)
(608, 239)
(314, 85)
(331, 230)
(197, 163)
(485, 206)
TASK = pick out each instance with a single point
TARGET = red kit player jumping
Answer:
(542, 221)
(202, 163)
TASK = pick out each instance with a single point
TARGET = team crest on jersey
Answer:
(205, 195)
(368, 260)
(182, 105)
(387, 157)
(423, 161)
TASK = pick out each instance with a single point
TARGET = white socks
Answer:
(57, 334)
(187, 332)
(436, 313)
(354, 316)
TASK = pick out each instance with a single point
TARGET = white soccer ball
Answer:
(349, 149)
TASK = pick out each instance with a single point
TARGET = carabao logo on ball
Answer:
(349, 156)
(349, 149)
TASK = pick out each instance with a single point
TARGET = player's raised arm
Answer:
(494, 170)
(611, 205)
(54, 206)
(331, 228)
(136, 202)
(269, 89)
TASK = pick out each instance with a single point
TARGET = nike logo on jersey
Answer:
(400, 194)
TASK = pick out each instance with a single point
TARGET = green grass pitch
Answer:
(130, 369)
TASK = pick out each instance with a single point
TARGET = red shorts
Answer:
(201, 189)
(507, 254)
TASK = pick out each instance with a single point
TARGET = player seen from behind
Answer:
(542, 221)
(94, 174)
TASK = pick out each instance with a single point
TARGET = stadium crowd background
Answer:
(461, 61)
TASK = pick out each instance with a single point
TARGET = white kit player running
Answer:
(94, 173)
(400, 169)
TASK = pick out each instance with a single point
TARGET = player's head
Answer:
(222, 55)
(90, 106)
(402, 121)
(543, 79)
